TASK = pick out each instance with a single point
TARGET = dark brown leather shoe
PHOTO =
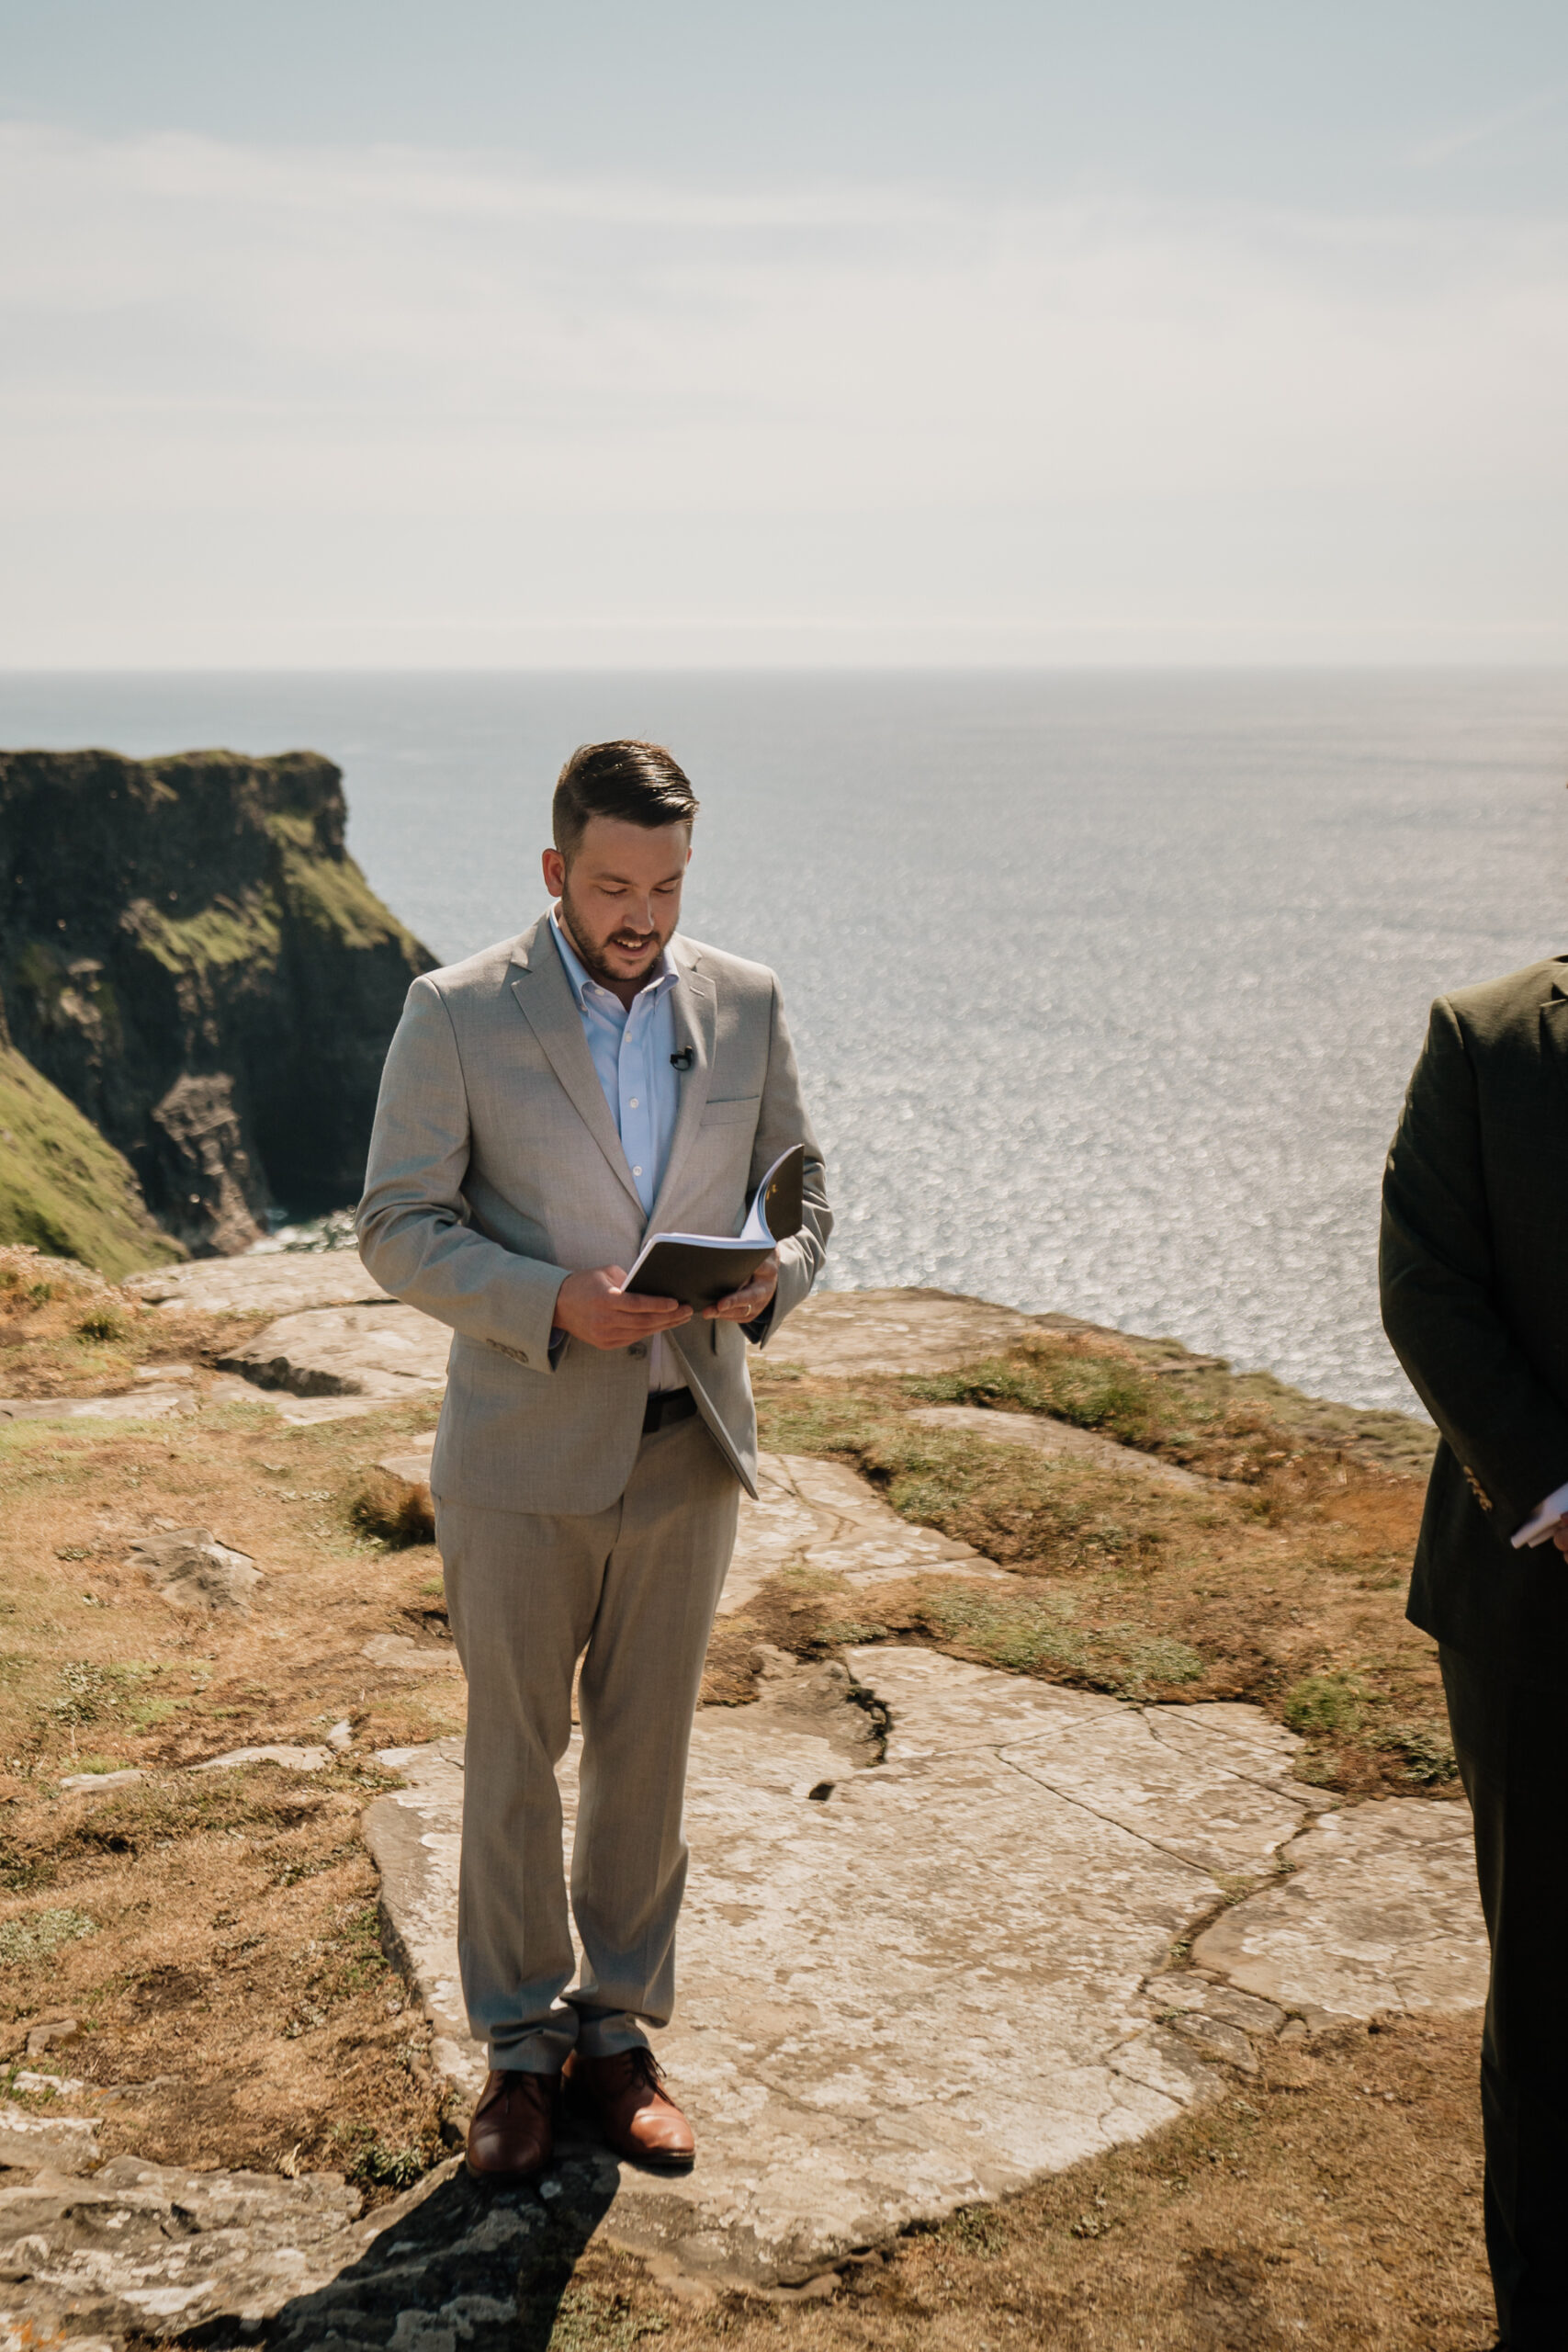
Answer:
(637, 2115)
(513, 2134)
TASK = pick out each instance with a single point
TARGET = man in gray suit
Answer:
(544, 1107)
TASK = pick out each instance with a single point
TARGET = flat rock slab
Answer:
(156, 1404)
(1060, 1440)
(411, 1466)
(401, 1650)
(295, 1412)
(1381, 1913)
(349, 1340)
(384, 1352)
(830, 1947)
(814, 1517)
(141, 1405)
(191, 1570)
(66, 2143)
(841, 1332)
(1217, 2020)
(151, 2251)
(267, 1281)
(414, 1836)
(291, 1759)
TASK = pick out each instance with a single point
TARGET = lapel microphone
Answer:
(684, 1059)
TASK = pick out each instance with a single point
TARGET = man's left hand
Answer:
(744, 1305)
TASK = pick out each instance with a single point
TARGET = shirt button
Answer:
(636, 1171)
(634, 1101)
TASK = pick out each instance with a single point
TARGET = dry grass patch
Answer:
(95, 1669)
(216, 1940)
(1191, 1409)
(64, 1331)
(1334, 2200)
(730, 1670)
(214, 1933)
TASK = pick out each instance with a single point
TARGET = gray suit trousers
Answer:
(634, 1587)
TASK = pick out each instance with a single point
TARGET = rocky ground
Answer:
(1033, 1624)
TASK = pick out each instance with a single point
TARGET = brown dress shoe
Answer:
(513, 2134)
(637, 2118)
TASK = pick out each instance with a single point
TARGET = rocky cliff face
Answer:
(189, 954)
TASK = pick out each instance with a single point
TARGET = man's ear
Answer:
(553, 866)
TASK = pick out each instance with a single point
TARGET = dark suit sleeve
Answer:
(1439, 1296)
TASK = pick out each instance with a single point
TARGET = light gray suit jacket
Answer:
(496, 1170)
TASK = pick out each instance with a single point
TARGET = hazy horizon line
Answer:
(1304, 666)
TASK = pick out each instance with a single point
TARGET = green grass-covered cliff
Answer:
(189, 955)
(62, 1188)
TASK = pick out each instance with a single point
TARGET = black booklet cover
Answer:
(699, 1269)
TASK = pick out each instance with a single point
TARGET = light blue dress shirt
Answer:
(631, 1053)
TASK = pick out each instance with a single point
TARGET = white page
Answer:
(753, 1233)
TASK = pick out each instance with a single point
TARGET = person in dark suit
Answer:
(1474, 1281)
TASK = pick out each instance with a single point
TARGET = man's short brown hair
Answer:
(639, 782)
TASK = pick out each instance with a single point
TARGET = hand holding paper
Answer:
(744, 1305)
(593, 1308)
(1547, 1525)
(705, 1270)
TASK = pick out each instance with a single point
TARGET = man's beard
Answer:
(589, 956)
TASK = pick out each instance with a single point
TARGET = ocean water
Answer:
(1106, 986)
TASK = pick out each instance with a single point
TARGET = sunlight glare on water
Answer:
(1105, 987)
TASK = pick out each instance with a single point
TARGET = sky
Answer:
(362, 333)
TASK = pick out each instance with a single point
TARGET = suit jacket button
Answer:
(638, 1348)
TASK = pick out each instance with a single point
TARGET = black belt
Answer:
(667, 1405)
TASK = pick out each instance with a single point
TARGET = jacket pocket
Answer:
(732, 1115)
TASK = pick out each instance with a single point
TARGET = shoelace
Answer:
(642, 2066)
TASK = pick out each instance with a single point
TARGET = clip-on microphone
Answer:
(682, 1060)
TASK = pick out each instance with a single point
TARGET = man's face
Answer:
(620, 898)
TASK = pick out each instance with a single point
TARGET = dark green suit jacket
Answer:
(1474, 1278)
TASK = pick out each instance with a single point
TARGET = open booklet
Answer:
(699, 1269)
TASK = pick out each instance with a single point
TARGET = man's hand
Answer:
(744, 1305)
(597, 1308)
(1560, 1534)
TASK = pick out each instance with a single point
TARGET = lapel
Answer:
(544, 994)
(694, 1003)
(1554, 1022)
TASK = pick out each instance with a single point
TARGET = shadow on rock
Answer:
(455, 2266)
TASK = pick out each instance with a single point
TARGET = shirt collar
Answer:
(664, 972)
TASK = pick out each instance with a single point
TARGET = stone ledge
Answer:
(1381, 1912)
(828, 1945)
(383, 1350)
